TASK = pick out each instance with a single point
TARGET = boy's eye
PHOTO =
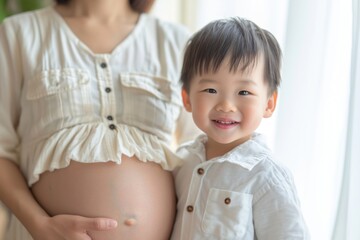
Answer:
(210, 90)
(244, 92)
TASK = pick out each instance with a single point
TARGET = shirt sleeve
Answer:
(10, 90)
(277, 213)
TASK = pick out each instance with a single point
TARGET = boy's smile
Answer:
(229, 105)
(225, 123)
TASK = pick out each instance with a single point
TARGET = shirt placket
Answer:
(191, 212)
(106, 84)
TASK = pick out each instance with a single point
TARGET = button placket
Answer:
(196, 183)
(111, 125)
(195, 186)
(107, 96)
(104, 66)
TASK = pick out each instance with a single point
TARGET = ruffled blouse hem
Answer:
(93, 143)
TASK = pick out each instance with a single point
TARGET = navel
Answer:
(130, 222)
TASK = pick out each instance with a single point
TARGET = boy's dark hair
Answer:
(241, 40)
(138, 5)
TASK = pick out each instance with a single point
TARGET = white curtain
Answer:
(313, 108)
(315, 130)
(348, 219)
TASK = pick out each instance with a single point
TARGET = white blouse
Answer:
(243, 195)
(59, 101)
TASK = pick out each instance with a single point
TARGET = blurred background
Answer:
(316, 128)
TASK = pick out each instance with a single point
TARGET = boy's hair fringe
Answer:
(237, 38)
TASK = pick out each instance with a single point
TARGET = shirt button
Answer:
(200, 171)
(112, 126)
(107, 89)
(190, 208)
(227, 201)
(110, 118)
(103, 65)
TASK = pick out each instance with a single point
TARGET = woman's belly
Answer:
(140, 192)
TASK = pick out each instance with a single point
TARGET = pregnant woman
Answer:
(89, 105)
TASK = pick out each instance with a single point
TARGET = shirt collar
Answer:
(247, 154)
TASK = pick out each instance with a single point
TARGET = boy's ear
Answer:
(186, 100)
(271, 105)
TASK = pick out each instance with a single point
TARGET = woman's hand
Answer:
(16, 195)
(71, 227)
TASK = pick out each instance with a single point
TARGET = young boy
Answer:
(229, 186)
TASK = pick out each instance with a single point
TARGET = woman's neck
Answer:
(102, 10)
(100, 24)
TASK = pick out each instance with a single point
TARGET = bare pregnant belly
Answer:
(133, 190)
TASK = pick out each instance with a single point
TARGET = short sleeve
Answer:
(10, 90)
(277, 212)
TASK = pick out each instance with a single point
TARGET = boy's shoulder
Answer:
(264, 163)
(192, 147)
(255, 156)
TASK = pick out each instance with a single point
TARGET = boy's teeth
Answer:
(223, 122)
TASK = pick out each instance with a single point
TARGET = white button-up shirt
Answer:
(242, 195)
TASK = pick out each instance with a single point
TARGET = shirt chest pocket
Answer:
(59, 93)
(228, 214)
(150, 102)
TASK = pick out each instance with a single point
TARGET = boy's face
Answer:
(229, 106)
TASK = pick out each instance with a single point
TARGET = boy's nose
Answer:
(225, 106)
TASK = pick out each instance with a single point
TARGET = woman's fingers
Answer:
(98, 224)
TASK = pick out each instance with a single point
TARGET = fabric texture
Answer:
(59, 101)
(64, 102)
(243, 195)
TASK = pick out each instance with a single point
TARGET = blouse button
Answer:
(110, 118)
(107, 89)
(112, 126)
(190, 208)
(103, 65)
(227, 201)
(200, 171)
